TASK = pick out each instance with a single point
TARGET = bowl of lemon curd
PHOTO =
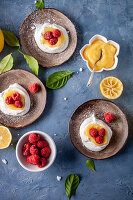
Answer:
(91, 53)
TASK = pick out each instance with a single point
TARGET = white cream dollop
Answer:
(20, 90)
(86, 141)
(38, 37)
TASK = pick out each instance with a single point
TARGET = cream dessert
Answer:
(51, 38)
(15, 100)
(95, 134)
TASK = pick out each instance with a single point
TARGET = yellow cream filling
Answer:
(92, 53)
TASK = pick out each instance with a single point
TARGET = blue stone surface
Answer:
(113, 179)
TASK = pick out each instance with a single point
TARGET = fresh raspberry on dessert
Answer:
(16, 96)
(26, 149)
(33, 137)
(48, 35)
(42, 162)
(101, 132)
(33, 150)
(45, 152)
(18, 104)
(109, 117)
(53, 41)
(9, 100)
(33, 87)
(93, 132)
(56, 33)
(33, 159)
(42, 143)
(99, 139)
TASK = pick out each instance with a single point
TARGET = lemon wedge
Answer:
(111, 87)
(5, 137)
(1, 40)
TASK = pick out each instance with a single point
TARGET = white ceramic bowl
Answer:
(22, 159)
(97, 37)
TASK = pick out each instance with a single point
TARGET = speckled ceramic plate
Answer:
(38, 100)
(47, 15)
(119, 127)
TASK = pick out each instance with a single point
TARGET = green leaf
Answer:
(58, 79)
(40, 4)
(90, 164)
(15, 144)
(11, 39)
(6, 63)
(71, 184)
(32, 62)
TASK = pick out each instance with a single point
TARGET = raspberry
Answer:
(9, 100)
(42, 162)
(109, 117)
(56, 33)
(26, 149)
(16, 96)
(18, 104)
(101, 132)
(33, 159)
(34, 143)
(99, 139)
(93, 132)
(33, 87)
(33, 150)
(48, 35)
(53, 41)
(33, 137)
(45, 152)
(42, 143)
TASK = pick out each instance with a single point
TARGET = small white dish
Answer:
(97, 37)
(23, 159)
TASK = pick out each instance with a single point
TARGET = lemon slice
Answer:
(1, 40)
(5, 137)
(111, 87)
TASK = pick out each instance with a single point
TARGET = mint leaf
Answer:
(58, 79)
(40, 4)
(6, 63)
(71, 184)
(90, 164)
(11, 39)
(32, 62)
(15, 144)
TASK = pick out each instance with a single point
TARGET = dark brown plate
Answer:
(47, 15)
(119, 127)
(24, 78)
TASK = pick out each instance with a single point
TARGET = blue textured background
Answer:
(113, 179)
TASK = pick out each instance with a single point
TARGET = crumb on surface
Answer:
(59, 178)
(81, 69)
(65, 98)
(5, 161)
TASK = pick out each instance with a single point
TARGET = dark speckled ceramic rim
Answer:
(68, 19)
(42, 109)
(83, 146)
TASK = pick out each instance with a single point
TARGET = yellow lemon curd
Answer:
(93, 52)
(61, 39)
(11, 106)
(92, 139)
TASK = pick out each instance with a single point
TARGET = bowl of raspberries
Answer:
(35, 151)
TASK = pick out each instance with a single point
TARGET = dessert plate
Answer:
(24, 78)
(119, 127)
(29, 46)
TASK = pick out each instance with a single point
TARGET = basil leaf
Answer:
(6, 63)
(40, 4)
(90, 164)
(32, 62)
(58, 79)
(15, 144)
(71, 184)
(11, 39)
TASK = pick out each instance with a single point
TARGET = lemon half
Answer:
(5, 137)
(111, 87)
